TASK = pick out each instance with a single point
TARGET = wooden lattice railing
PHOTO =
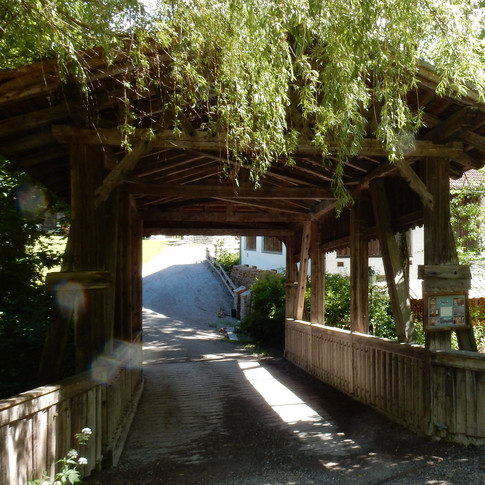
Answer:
(432, 393)
(37, 427)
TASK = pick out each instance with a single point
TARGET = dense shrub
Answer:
(265, 322)
(25, 252)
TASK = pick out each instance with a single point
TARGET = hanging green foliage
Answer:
(266, 73)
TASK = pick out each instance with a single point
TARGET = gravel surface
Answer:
(212, 413)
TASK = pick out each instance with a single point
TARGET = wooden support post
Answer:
(137, 322)
(439, 244)
(317, 257)
(124, 273)
(395, 274)
(291, 278)
(303, 271)
(359, 273)
(79, 300)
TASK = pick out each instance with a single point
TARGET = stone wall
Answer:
(243, 275)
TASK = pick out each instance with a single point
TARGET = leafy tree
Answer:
(265, 72)
(25, 252)
(36, 29)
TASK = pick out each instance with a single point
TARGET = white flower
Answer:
(86, 431)
(82, 461)
(45, 482)
(72, 454)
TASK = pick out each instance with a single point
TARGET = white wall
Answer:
(260, 258)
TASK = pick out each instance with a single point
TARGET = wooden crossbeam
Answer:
(218, 191)
(157, 215)
(206, 141)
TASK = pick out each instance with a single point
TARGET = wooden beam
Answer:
(26, 122)
(269, 205)
(87, 280)
(161, 216)
(317, 257)
(215, 231)
(303, 270)
(201, 141)
(359, 272)
(291, 284)
(439, 246)
(415, 182)
(455, 125)
(122, 171)
(228, 192)
(397, 285)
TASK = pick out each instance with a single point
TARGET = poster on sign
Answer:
(446, 311)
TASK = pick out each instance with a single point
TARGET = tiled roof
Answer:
(471, 178)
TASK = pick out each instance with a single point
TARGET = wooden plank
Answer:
(450, 271)
(397, 285)
(303, 269)
(87, 279)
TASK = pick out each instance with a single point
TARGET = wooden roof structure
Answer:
(180, 184)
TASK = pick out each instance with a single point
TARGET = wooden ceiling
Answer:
(184, 184)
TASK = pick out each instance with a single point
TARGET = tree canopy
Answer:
(266, 72)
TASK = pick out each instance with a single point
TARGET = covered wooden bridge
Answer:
(185, 183)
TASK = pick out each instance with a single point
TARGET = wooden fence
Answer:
(432, 393)
(37, 427)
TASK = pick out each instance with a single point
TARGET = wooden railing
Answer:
(37, 427)
(436, 393)
(457, 395)
(219, 270)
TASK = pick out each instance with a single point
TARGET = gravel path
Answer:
(213, 414)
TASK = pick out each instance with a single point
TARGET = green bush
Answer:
(226, 258)
(337, 300)
(265, 322)
(266, 318)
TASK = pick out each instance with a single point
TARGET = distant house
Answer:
(269, 253)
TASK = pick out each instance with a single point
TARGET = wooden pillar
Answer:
(124, 273)
(291, 278)
(359, 272)
(317, 257)
(88, 231)
(303, 271)
(397, 284)
(439, 244)
(137, 249)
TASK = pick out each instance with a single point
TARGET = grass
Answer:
(152, 248)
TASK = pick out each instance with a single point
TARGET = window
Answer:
(250, 243)
(272, 244)
(374, 249)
